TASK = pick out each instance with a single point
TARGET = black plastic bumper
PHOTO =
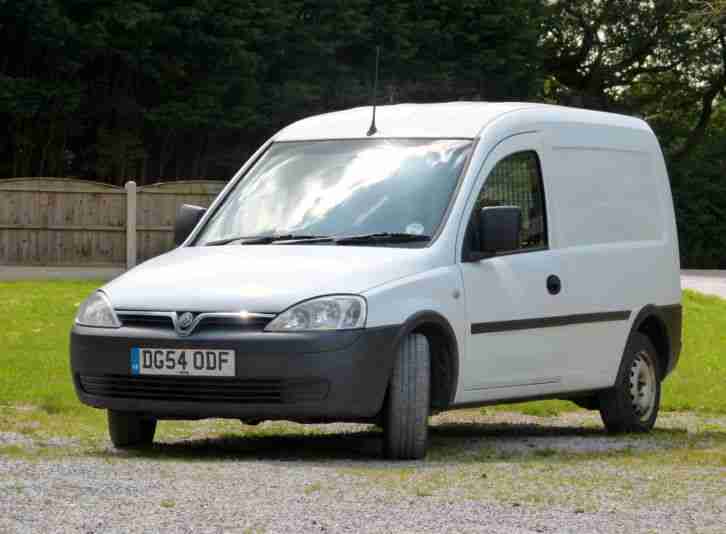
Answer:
(306, 376)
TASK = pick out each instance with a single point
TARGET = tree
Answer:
(159, 89)
(652, 58)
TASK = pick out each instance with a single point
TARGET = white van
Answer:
(464, 254)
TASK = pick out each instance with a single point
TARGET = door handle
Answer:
(554, 284)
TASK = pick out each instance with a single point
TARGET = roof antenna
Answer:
(373, 128)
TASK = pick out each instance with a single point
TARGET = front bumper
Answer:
(330, 376)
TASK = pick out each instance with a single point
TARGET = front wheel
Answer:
(128, 430)
(632, 404)
(406, 411)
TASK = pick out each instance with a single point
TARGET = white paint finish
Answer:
(611, 215)
(510, 288)
(603, 183)
(669, 270)
(450, 119)
(514, 288)
(259, 278)
(605, 196)
(435, 291)
(618, 276)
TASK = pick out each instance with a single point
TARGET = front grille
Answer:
(165, 322)
(147, 321)
(233, 390)
(236, 324)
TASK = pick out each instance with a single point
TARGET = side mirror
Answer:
(499, 229)
(186, 219)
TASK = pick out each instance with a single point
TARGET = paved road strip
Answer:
(711, 282)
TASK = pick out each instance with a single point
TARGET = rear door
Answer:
(516, 346)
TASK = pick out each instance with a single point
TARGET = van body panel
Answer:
(546, 342)
(435, 290)
(438, 290)
(516, 362)
(259, 278)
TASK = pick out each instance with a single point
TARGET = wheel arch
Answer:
(444, 353)
(650, 321)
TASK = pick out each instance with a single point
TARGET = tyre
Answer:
(632, 404)
(128, 430)
(407, 405)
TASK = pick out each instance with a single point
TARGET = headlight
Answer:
(96, 310)
(339, 312)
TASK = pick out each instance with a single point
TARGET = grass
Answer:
(698, 382)
(38, 396)
(34, 367)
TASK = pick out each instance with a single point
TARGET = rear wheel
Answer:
(406, 412)
(632, 405)
(128, 430)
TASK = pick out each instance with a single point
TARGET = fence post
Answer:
(130, 224)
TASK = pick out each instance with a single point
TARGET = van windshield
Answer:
(342, 188)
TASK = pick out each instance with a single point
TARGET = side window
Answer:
(517, 181)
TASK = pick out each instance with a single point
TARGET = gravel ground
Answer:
(485, 473)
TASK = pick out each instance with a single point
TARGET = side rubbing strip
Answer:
(548, 322)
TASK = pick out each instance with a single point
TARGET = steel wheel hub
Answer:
(643, 385)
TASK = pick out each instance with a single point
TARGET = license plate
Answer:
(184, 362)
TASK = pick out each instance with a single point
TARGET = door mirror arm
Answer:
(474, 256)
(186, 220)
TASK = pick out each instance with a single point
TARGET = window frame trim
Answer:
(466, 251)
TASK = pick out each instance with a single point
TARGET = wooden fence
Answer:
(63, 221)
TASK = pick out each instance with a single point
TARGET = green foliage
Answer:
(160, 89)
(699, 190)
(597, 52)
(187, 89)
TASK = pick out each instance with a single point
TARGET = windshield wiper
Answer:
(382, 237)
(264, 239)
(291, 239)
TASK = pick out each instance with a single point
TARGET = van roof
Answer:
(449, 119)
